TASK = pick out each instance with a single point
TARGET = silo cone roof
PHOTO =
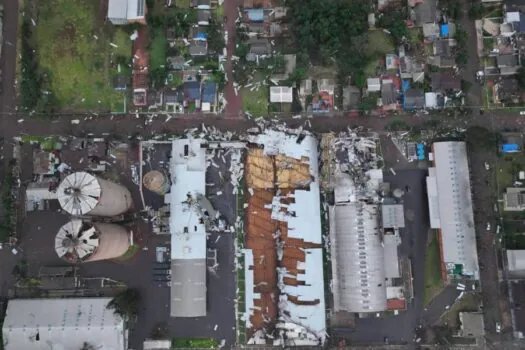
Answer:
(85, 194)
(82, 243)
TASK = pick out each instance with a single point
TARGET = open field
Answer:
(255, 102)
(75, 56)
(432, 270)
(379, 44)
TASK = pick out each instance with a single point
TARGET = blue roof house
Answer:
(443, 30)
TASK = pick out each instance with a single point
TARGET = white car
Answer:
(498, 327)
(522, 113)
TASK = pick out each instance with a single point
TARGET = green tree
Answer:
(214, 36)
(520, 77)
(393, 20)
(125, 304)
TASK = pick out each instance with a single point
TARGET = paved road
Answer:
(234, 101)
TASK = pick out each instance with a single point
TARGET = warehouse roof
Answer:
(454, 202)
(358, 286)
(516, 259)
(62, 324)
(393, 215)
(188, 233)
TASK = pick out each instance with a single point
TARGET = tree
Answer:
(520, 77)
(214, 36)
(476, 11)
(393, 20)
(125, 304)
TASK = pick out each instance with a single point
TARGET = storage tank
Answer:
(82, 241)
(81, 193)
(157, 182)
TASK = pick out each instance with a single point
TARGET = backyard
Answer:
(432, 270)
(76, 54)
(256, 99)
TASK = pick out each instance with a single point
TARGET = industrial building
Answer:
(283, 259)
(82, 241)
(450, 206)
(516, 263)
(82, 193)
(187, 228)
(514, 199)
(364, 256)
(71, 323)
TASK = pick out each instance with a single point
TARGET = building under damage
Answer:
(284, 282)
(364, 256)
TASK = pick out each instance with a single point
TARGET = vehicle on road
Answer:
(498, 327)
(522, 112)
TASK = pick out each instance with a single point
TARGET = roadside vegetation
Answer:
(199, 343)
(433, 281)
(69, 57)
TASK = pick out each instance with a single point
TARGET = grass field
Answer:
(256, 102)
(432, 270)
(379, 44)
(77, 67)
(157, 49)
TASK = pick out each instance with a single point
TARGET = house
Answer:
(122, 12)
(431, 31)
(445, 82)
(351, 97)
(388, 93)
(506, 89)
(198, 47)
(516, 263)
(431, 100)
(391, 61)
(425, 12)
(192, 92)
(255, 15)
(410, 69)
(259, 48)
(154, 98)
(209, 97)
(508, 64)
(281, 94)
(414, 99)
(514, 199)
(176, 62)
(203, 17)
(373, 84)
(173, 101)
(121, 82)
(443, 54)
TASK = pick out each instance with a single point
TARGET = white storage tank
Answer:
(82, 241)
(81, 193)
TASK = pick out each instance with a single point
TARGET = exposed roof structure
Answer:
(393, 215)
(77, 239)
(514, 199)
(296, 216)
(188, 233)
(449, 194)
(358, 286)
(79, 193)
(281, 94)
(35, 324)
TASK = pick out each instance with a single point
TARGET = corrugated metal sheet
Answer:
(455, 206)
(188, 288)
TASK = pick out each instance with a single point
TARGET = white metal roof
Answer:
(516, 259)
(135, 9)
(70, 239)
(431, 100)
(433, 202)
(393, 215)
(118, 9)
(63, 324)
(374, 84)
(249, 286)
(310, 316)
(391, 256)
(188, 233)
(188, 173)
(357, 258)
(281, 94)
(455, 206)
(79, 193)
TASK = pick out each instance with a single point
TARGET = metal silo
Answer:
(82, 241)
(81, 193)
(157, 182)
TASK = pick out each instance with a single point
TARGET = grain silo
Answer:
(81, 193)
(157, 182)
(82, 241)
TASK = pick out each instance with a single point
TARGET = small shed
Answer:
(443, 30)
(373, 84)
(393, 216)
(281, 94)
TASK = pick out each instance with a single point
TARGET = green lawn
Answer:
(256, 102)
(157, 49)
(508, 169)
(78, 66)
(208, 343)
(379, 43)
(219, 12)
(433, 281)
